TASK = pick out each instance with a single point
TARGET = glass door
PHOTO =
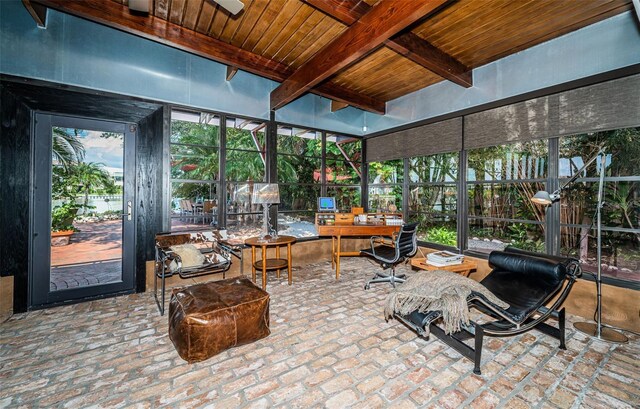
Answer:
(83, 209)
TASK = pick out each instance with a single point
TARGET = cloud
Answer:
(108, 151)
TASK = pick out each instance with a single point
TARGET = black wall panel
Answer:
(15, 172)
(149, 188)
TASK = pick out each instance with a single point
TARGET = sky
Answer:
(108, 151)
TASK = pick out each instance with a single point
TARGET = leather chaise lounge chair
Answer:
(527, 282)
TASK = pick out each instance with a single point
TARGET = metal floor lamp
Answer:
(545, 198)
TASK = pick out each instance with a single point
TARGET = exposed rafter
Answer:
(385, 19)
(112, 14)
(231, 72)
(407, 44)
(345, 11)
(350, 161)
(337, 105)
(37, 11)
(302, 132)
(422, 52)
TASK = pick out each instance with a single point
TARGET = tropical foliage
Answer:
(621, 212)
(90, 177)
(67, 148)
(62, 217)
(385, 185)
(71, 176)
(501, 181)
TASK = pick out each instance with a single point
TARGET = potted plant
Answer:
(62, 223)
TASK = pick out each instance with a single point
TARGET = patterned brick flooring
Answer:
(329, 347)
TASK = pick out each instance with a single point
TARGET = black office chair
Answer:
(391, 252)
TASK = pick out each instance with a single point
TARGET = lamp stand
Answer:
(595, 329)
(266, 224)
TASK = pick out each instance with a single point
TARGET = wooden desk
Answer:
(337, 231)
(270, 263)
(464, 268)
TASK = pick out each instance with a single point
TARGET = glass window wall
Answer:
(343, 171)
(433, 197)
(621, 210)
(194, 170)
(500, 181)
(299, 162)
(245, 164)
(385, 186)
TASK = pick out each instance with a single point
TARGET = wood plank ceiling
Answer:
(283, 35)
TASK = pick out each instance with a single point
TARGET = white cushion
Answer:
(189, 254)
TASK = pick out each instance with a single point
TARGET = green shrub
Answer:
(442, 235)
(62, 216)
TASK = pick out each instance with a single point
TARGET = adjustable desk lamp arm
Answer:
(556, 194)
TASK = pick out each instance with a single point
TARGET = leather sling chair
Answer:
(527, 282)
(391, 253)
(217, 258)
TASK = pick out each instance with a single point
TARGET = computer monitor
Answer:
(326, 204)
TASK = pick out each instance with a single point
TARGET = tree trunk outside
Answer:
(584, 238)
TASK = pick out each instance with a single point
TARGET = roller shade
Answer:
(439, 137)
(525, 121)
(610, 105)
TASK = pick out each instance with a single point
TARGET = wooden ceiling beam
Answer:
(37, 11)
(406, 44)
(118, 16)
(345, 95)
(385, 19)
(231, 72)
(432, 58)
(337, 105)
(345, 11)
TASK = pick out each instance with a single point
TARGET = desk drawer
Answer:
(344, 218)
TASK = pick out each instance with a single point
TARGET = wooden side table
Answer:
(465, 268)
(266, 263)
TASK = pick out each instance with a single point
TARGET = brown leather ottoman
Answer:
(206, 319)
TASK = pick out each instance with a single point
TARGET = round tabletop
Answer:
(281, 240)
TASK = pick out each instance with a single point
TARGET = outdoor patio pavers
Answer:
(85, 274)
(93, 242)
(329, 346)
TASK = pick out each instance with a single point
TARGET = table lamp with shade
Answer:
(265, 194)
(545, 198)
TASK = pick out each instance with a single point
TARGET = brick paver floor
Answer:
(85, 274)
(329, 347)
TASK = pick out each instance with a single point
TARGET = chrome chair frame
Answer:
(504, 325)
(401, 252)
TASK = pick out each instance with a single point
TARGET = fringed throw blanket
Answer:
(437, 291)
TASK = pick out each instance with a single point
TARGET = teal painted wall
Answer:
(77, 52)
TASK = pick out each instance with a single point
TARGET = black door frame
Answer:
(40, 247)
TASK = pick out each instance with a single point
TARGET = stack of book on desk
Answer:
(444, 258)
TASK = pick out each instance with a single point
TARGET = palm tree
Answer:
(67, 148)
(90, 176)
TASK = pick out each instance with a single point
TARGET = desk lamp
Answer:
(265, 194)
(546, 198)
